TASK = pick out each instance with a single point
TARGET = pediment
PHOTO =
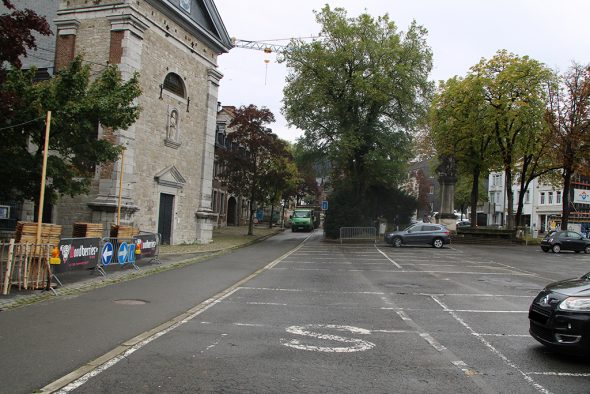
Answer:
(171, 177)
(202, 19)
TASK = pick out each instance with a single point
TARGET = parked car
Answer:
(436, 235)
(560, 315)
(565, 240)
(463, 223)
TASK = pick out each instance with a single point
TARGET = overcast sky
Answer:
(460, 33)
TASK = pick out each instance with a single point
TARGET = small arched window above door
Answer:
(173, 83)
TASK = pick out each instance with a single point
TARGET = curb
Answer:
(119, 277)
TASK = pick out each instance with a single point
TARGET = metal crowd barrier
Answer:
(115, 251)
(31, 266)
(358, 233)
(150, 246)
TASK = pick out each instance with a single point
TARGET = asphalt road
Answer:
(286, 316)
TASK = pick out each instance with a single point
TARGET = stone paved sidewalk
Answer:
(171, 257)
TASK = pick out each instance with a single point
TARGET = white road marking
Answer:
(505, 335)
(77, 378)
(311, 291)
(403, 315)
(495, 351)
(463, 367)
(475, 295)
(479, 311)
(387, 257)
(433, 342)
(568, 374)
(356, 345)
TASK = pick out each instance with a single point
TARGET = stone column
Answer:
(447, 179)
(205, 215)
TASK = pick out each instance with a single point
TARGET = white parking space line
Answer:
(491, 348)
(463, 367)
(387, 257)
(433, 342)
(473, 295)
(312, 291)
(505, 335)
(567, 374)
(80, 376)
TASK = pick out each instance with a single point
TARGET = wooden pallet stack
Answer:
(26, 233)
(122, 231)
(87, 230)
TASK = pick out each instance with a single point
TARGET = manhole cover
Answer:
(131, 302)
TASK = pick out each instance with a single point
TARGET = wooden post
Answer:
(8, 272)
(120, 187)
(43, 174)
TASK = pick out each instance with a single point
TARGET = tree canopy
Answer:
(80, 105)
(568, 118)
(357, 92)
(17, 29)
(257, 164)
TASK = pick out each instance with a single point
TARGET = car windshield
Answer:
(301, 214)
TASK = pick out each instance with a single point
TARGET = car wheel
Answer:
(438, 243)
(397, 242)
(587, 249)
(545, 250)
(556, 248)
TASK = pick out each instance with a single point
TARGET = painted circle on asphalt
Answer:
(311, 331)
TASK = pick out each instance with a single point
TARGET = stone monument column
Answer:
(447, 178)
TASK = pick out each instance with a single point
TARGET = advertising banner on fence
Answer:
(78, 253)
(581, 196)
(148, 245)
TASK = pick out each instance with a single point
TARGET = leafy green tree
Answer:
(514, 92)
(256, 159)
(282, 179)
(458, 128)
(356, 93)
(569, 121)
(17, 29)
(79, 105)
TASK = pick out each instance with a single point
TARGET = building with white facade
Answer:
(542, 204)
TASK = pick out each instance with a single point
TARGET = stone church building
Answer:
(164, 178)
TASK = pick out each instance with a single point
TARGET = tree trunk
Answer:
(272, 211)
(509, 199)
(474, 195)
(567, 184)
(252, 210)
(251, 222)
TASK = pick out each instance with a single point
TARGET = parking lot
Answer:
(368, 318)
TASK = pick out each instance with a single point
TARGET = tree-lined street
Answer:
(319, 317)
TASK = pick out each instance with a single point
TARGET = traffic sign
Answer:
(325, 205)
(123, 253)
(131, 256)
(107, 253)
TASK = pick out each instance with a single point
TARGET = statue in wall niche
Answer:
(172, 125)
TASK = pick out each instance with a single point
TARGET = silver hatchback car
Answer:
(436, 235)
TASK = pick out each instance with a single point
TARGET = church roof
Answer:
(201, 18)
